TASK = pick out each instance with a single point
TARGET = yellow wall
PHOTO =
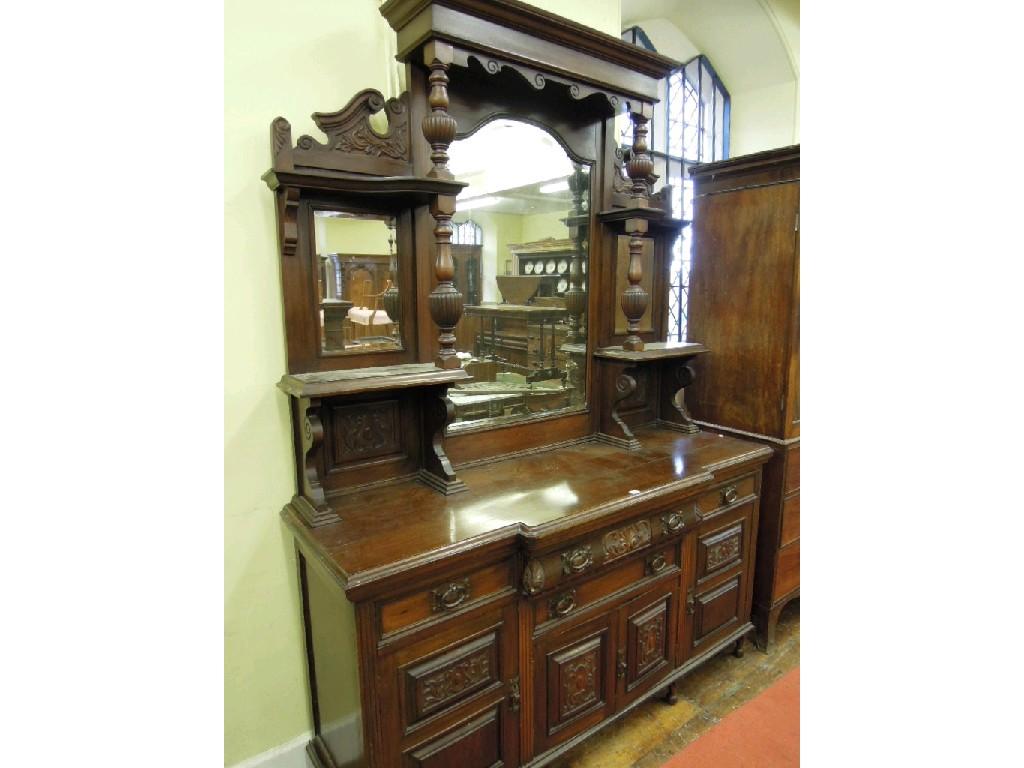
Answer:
(360, 236)
(291, 60)
(279, 60)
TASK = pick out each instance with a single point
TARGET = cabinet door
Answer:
(453, 696)
(574, 680)
(647, 635)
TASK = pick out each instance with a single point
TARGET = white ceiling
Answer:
(751, 43)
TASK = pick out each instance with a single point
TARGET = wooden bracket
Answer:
(437, 472)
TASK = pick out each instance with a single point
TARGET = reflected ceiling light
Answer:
(477, 202)
(558, 186)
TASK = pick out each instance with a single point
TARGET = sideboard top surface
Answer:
(544, 498)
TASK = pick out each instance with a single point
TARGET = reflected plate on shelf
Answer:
(528, 269)
(563, 267)
(584, 267)
(549, 266)
(563, 285)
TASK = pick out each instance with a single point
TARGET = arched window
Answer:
(690, 125)
(467, 233)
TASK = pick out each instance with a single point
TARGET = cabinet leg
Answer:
(670, 694)
(737, 649)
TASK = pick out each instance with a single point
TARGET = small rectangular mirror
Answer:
(359, 304)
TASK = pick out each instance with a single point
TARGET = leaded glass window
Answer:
(467, 233)
(690, 126)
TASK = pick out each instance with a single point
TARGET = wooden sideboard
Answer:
(503, 625)
(744, 306)
(492, 591)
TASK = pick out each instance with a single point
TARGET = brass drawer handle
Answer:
(451, 596)
(576, 560)
(656, 563)
(563, 605)
(729, 494)
(674, 522)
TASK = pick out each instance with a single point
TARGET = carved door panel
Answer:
(452, 697)
(718, 599)
(646, 652)
(575, 680)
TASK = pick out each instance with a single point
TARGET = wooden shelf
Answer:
(655, 351)
(406, 190)
(359, 380)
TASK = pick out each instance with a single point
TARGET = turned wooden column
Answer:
(576, 297)
(445, 300)
(639, 168)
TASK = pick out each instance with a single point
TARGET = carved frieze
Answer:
(454, 680)
(622, 541)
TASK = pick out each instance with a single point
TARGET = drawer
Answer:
(787, 570)
(792, 480)
(477, 743)
(445, 598)
(595, 554)
(790, 519)
(570, 600)
(726, 494)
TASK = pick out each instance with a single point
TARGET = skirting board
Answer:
(292, 754)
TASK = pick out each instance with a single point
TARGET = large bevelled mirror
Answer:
(520, 250)
(357, 282)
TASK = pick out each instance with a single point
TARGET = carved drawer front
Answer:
(444, 680)
(477, 743)
(724, 495)
(792, 481)
(647, 651)
(721, 550)
(569, 601)
(575, 681)
(445, 597)
(717, 611)
(596, 554)
(790, 520)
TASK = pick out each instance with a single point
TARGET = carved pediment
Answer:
(352, 142)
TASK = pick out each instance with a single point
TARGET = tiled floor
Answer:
(654, 731)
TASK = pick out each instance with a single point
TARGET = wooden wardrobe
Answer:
(745, 307)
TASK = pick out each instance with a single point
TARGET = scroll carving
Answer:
(450, 683)
(437, 472)
(288, 203)
(684, 378)
(650, 643)
(312, 503)
(723, 549)
(349, 130)
(625, 386)
(622, 541)
(537, 79)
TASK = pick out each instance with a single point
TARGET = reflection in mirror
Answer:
(357, 282)
(520, 251)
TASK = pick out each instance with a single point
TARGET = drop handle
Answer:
(729, 494)
(449, 597)
(564, 604)
(514, 696)
(620, 668)
(690, 602)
